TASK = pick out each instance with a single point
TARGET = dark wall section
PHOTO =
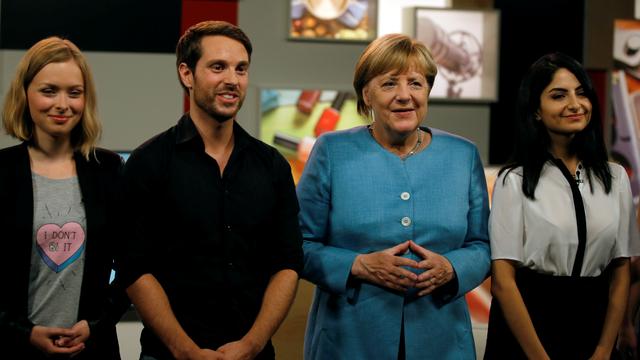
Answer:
(194, 11)
(528, 30)
(97, 25)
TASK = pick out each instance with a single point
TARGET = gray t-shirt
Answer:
(57, 254)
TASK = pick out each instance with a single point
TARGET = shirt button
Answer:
(405, 196)
(406, 221)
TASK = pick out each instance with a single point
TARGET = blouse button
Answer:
(405, 196)
(406, 221)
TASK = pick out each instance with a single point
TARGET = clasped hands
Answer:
(60, 341)
(387, 268)
(242, 349)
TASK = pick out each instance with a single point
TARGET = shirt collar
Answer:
(186, 132)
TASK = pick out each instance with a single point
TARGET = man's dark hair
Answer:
(189, 49)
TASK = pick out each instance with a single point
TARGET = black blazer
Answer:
(101, 304)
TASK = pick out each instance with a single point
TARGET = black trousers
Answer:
(567, 313)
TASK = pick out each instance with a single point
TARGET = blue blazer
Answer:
(355, 198)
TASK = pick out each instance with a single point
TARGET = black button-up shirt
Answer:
(212, 241)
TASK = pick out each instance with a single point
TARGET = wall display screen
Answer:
(479, 299)
(392, 14)
(464, 43)
(341, 20)
(625, 96)
(124, 154)
(291, 119)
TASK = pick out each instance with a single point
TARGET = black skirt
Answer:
(567, 313)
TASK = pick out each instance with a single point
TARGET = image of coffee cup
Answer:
(327, 9)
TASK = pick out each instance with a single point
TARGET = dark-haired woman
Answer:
(562, 226)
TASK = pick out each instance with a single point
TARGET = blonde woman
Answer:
(394, 220)
(57, 192)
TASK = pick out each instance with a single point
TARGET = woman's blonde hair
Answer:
(16, 118)
(392, 52)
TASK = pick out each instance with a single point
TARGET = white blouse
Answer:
(542, 234)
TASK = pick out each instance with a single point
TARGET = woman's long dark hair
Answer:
(532, 139)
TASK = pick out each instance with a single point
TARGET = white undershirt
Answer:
(542, 234)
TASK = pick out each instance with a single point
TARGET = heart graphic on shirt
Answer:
(60, 246)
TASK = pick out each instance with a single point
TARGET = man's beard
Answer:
(208, 104)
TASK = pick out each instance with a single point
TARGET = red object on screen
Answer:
(330, 116)
(307, 100)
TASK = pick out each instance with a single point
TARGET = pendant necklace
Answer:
(415, 147)
(412, 151)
